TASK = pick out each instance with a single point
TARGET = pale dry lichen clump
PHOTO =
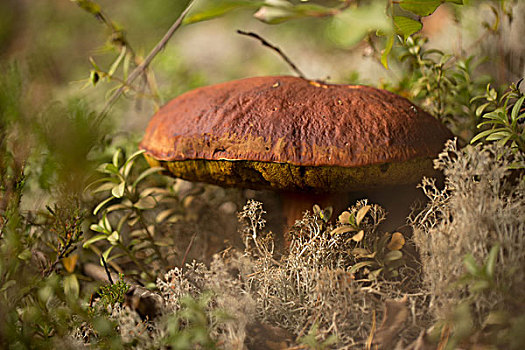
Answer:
(481, 206)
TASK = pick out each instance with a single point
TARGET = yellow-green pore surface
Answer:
(288, 177)
(294, 134)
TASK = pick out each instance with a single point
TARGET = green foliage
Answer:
(445, 84)
(479, 278)
(310, 340)
(112, 294)
(190, 326)
(505, 117)
(128, 203)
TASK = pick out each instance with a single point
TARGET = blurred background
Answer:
(55, 38)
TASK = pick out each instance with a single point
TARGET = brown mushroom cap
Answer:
(291, 134)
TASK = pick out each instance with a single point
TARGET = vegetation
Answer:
(98, 249)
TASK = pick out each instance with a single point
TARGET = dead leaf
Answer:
(394, 316)
(344, 218)
(361, 214)
(358, 237)
(342, 229)
(396, 242)
(70, 262)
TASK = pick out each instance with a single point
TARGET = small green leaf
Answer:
(97, 228)
(107, 186)
(105, 254)
(393, 255)
(116, 157)
(7, 285)
(326, 214)
(479, 286)
(420, 7)
(118, 191)
(471, 265)
(498, 135)
(109, 168)
(360, 265)
(105, 223)
(93, 240)
(220, 8)
(386, 51)
(145, 174)
(516, 109)
(490, 266)
(71, 286)
(25, 255)
(101, 205)
(113, 238)
(406, 26)
(88, 6)
(115, 64)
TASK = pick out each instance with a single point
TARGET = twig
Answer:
(188, 250)
(144, 65)
(106, 269)
(276, 49)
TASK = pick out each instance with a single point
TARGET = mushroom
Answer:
(309, 141)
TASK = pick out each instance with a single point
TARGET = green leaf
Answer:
(498, 135)
(101, 205)
(218, 8)
(104, 222)
(116, 157)
(109, 168)
(104, 187)
(479, 286)
(115, 64)
(420, 7)
(386, 51)
(516, 109)
(471, 265)
(490, 266)
(93, 240)
(114, 238)
(360, 265)
(484, 134)
(406, 26)
(71, 286)
(106, 253)
(145, 174)
(25, 254)
(118, 191)
(352, 25)
(393, 255)
(89, 6)
(97, 228)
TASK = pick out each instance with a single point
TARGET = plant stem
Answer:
(144, 65)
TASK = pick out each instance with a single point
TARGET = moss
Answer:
(288, 177)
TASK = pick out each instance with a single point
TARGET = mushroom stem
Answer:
(294, 204)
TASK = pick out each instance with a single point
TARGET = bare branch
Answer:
(276, 49)
(145, 64)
